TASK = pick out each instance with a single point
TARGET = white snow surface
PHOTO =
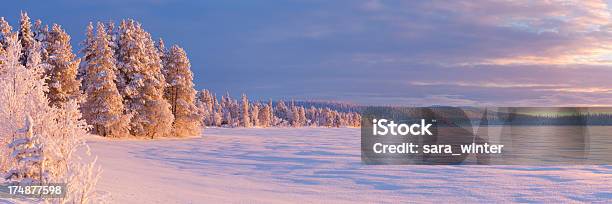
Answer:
(317, 165)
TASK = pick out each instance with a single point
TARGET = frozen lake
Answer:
(316, 165)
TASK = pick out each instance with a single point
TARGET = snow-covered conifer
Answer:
(2, 53)
(231, 111)
(40, 34)
(224, 107)
(142, 83)
(255, 115)
(5, 28)
(179, 91)
(28, 155)
(327, 118)
(40, 31)
(63, 66)
(356, 120)
(311, 114)
(161, 47)
(218, 116)
(205, 104)
(295, 117)
(103, 107)
(246, 120)
(271, 113)
(26, 37)
(337, 119)
(282, 111)
(264, 116)
(302, 116)
(87, 50)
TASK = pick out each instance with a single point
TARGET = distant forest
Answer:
(510, 116)
(575, 119)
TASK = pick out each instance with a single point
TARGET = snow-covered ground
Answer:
(317, 165)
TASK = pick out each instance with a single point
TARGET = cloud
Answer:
(434, 52)
(520, 93)
(500, 32)
(580, 90)
(438, 99)
(486, 84)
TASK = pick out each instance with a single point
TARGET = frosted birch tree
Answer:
(59, 130)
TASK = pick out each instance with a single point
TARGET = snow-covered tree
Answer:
(211, 103)
(2, 54)
(113, 38)
(40, 31)
(327, 118)
(205, 103)
(142, 83)
(356, 120)
(246, 120)
(180, 92)
(103, 107)
(302, 121)
(311, 115)
(5, 29)
(63, 66)
(271, 116)
(87, 50)
(295, 117)
(264, 116)
(161, 48)
(218, 116)
(255, 115)
(282, 111)
(231, 111)
(26, 37)
(224, 107)
(59, 129)
(28, 155)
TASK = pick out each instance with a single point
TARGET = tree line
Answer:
(128, 84)
(229, 112)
